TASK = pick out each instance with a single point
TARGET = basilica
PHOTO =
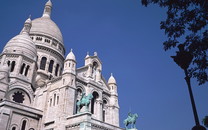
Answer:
(40, 87)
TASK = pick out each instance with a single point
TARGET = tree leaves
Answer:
(186, 24)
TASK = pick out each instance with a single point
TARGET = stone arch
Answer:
(14, 127)
(51, 65)
(12, 66)
(105, 109)
(24, 123)
(79, 91)
(27, 70)
(93, 101)
(98, 63)
(43, 62)
(22, 68)
(57, 69)
(20, 92)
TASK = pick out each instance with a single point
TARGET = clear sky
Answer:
(128, 40)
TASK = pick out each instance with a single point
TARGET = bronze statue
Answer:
(84, 101)
(131, 119)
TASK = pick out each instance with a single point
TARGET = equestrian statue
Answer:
(131, 119)
(84, 101)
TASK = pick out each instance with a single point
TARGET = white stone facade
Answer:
(39, 87)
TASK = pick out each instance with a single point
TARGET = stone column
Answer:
(31, 71)
(99, 110)
(47, 65)
(18, 65)
(89, 71)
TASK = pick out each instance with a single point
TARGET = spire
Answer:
(47, 9)
(27, 26)
(87, 55)
(71, 56)
(111, 80)
(95, 54)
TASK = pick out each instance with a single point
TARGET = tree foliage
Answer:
(205, 121)
(186, 24)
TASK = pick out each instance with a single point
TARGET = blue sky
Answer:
(128, 40)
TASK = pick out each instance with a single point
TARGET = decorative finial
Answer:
(111, 74)
(27, 26)
(30, 16)
(87, 55)
(71, 50)
(47, 9)
(95, 54)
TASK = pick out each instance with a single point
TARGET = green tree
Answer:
(186, 24)
(205, 121)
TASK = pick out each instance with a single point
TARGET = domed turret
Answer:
(49, 41)
(71, 56)
(111, 80)
(22, 65)
(45, 26)
(70, 64)
(22, 43)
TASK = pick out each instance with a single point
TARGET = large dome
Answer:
(45, 25)
(21, 44)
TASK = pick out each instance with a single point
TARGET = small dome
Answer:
(111, 80)
(21, 44)
(28, 21)
(71, 56)
(46, 26)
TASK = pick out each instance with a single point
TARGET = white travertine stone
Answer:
(48, 100)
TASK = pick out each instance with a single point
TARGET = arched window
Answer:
(12, 66)
(103, 115)
(22, 68)
(94, 68)
(57, 100)
(95, 96)
(78, 95)
(14, 128)
(57, 68)
(26, 71)
(43, 63)
(23, 125)
(54, 101)
(60, 72)
(8, 63)
(104, 110)
(50, 68)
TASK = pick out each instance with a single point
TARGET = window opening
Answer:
(26, 71)
(23, 125)
(54, 100)
(57, 68)
(95, 96)
(22, 68)
(43, 63)
(50, 68)
(18, 97)
(12, 66)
